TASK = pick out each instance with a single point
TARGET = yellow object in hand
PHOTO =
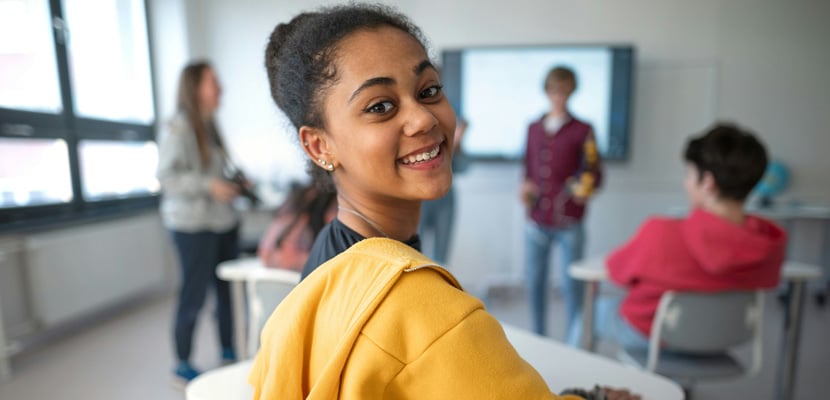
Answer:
(583, 188)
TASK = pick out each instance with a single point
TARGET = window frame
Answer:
(20, 124)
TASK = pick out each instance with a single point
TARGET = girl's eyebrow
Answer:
(422, 66)
(386, 81)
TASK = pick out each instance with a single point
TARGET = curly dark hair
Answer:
(301, 54)
(735, 158)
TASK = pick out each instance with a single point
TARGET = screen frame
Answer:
(623, 75)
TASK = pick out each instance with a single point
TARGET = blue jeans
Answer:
(610, 325)
(199, 254)
(538, 241)
(437, 217)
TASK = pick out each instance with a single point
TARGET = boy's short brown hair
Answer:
(560, 74)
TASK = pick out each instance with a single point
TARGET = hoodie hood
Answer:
(721, 247)
(323, 316)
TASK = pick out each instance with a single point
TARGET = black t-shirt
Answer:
(334, 239)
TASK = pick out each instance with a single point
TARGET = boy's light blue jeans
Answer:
(437, 220)
(538, 242)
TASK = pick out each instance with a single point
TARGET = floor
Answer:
(129, 355)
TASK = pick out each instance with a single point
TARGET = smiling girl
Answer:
(377, 319)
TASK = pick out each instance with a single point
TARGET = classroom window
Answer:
(109, 64)
(28, 68)
(34, 172)
(77, 112)
(117, 169)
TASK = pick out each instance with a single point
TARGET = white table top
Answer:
(564, 367)
(593, 269)
(252, 268)
(778, 212)
(228, 383)
(561, 366)
(789, 211)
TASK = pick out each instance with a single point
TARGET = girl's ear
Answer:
(317, 145)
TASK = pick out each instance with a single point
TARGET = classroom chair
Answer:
(694, 334)
(265, 288)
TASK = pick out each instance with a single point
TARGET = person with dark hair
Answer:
(297, 222)
(717, 247)
(735, 159)
(378, 319)
(562, 169)
(438, 216)
(196, 208)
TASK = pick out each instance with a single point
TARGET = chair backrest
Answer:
(265, 289)
(701, 322)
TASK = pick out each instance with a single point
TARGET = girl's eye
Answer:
(381, 108)
(432, 91)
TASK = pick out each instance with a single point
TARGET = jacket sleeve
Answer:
(473, 360)
(626, 264)
(589, 174)
(177, 175)
(592, 158)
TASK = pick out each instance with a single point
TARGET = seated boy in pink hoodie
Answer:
(717, 247)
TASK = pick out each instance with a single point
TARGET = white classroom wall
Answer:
(757, 62)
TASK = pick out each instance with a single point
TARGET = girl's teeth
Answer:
(422, 157)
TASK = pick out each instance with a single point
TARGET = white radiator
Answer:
(79, 270)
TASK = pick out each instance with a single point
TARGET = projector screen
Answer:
(500, 91)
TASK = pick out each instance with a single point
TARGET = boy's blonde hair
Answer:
(560, 74)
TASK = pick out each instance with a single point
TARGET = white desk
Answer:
(788, 211)
(787, 214)
(562, 367)
(796, 274)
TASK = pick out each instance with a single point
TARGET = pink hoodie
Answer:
(702, 252)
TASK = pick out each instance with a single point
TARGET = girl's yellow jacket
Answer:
(382, 321)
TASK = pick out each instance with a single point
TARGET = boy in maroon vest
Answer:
(562, 169)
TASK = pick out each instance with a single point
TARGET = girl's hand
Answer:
(223, 191)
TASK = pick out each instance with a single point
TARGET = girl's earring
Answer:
(327, 166)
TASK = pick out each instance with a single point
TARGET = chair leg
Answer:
(687, 392)
(686, 385)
